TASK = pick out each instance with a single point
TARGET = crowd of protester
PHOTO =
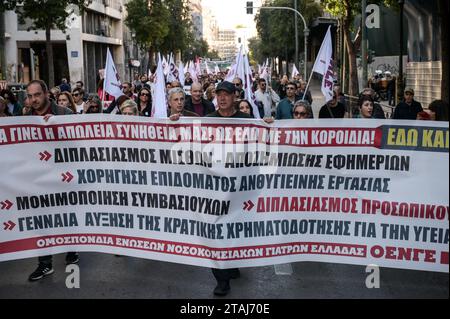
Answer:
(210, 96)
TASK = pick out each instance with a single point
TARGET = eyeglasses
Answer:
(300, 114)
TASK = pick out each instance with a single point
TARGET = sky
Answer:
(230, 13)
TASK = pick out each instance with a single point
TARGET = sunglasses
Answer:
(237, 84)
(145, 94)
(291, 88)
(300, 113)
(76, 94)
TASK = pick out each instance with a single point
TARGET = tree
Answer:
(199, 48)
(276, 28)
(45, 15)
(181, 32)
(148, 20)
(346, 11)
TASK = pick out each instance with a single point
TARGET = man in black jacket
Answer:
(408, 109)
(41, 105)
(196, 103)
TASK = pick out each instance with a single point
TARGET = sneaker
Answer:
(222, 288)
(72, 258)
(41, 271)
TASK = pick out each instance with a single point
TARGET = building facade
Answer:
(78, 54)
(197, 17)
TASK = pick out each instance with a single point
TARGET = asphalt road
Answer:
(107, 276)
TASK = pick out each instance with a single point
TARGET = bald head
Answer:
(196, 92)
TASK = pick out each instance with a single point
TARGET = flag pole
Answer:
(104, 80)
(307, 85)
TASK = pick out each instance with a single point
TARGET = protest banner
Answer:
(227, 193)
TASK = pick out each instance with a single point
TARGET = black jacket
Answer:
(208, 107)
(404, 111)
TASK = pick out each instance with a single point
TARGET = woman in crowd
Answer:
(365, 105)
(12, 104)
(54, 93)
(93, 104)
(144, 102)
(129, 107)
(210, 93)
(245, 107)
(65, 99)
(302, 110)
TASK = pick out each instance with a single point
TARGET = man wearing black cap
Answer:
(408, 109)
(226, 96)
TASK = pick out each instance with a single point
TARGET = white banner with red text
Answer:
(227, 193)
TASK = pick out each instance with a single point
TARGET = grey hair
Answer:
(306, 105)
(175, 91)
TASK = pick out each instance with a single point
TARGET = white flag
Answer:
(173, 71)
(165, 66)
(181, 73)
(236, 68)
(159, 100)
(208, 71)
(248, 83)
(216, 69)
(193, 72)
(294, 72)
(112, 81)
(324, 65)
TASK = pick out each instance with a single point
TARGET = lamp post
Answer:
(305, 30)
(296, 35)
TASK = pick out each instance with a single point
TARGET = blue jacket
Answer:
(284, 110)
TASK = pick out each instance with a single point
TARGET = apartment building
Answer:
(78, 54)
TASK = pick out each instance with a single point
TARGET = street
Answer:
(107, 276)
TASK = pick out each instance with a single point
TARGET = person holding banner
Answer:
(226, 98)
(40, 105)
(176, 97)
